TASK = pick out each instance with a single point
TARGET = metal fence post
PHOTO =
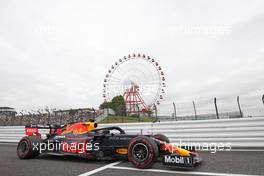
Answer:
(156, 114)
(93, 113)
(39, 116)
(175, 115)
(47, 110)
(216, 109)
(6, 119)
(60, 117)
(194, 108)
(107, 118)
(138, 113)
(21, 117)
(238, 103)
(29, 118)
(12, 120)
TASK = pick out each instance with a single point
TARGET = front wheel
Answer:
(162, 138)
(142, 152)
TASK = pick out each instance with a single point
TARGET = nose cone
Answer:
(183, 152)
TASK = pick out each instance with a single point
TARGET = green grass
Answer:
(126, 119)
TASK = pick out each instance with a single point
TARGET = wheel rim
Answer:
(23, 148)
(140, 152)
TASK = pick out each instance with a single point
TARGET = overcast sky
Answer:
(56, 53)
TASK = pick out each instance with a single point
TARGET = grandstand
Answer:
(7, 111)
(7, 115)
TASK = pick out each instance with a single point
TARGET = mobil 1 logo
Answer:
(174, 160)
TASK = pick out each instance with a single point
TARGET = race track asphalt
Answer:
(220, 163)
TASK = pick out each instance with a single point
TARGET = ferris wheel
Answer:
(139, 79)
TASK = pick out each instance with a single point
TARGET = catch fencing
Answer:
(242, 132)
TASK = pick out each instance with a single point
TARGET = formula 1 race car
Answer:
(84, 139)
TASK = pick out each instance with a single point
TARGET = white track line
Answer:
(100, 169)
(177, 172)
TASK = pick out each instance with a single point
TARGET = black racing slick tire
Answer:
(28, 147)
(142, 152)
(162, 138)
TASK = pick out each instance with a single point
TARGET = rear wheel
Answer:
(28, 147)
(142, 152)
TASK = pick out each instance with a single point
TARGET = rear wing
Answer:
(33, 129)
